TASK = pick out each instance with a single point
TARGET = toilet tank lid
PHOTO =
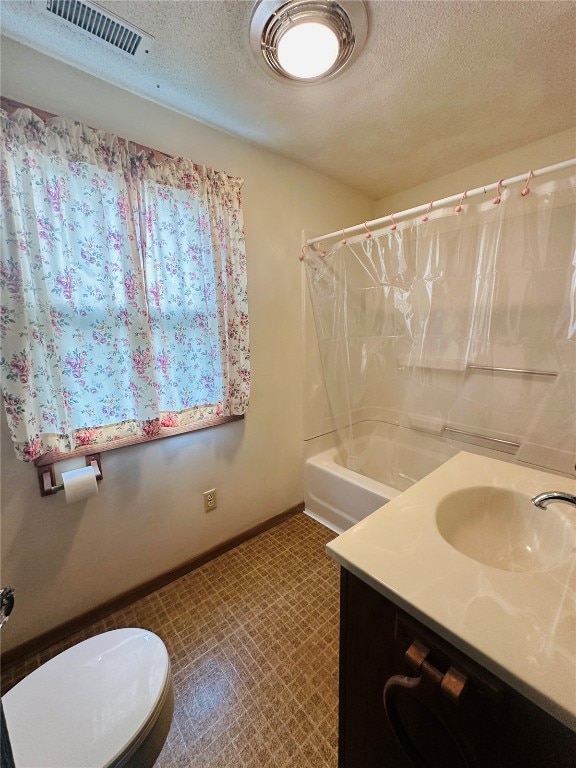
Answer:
(86, 705)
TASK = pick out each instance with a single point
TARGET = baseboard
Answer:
(62, 631)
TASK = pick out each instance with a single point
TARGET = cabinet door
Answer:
(439, 705)
(486, 725)
(386, 721)
(366, 651)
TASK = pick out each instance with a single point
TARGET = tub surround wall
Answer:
(377, 402)
(148, 516)
(387, 460)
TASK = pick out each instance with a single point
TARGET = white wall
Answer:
(148, 516)
(553, 149)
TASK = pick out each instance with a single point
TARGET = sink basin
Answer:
(502, 528)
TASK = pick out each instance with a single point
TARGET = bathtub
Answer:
(338, 497)
(387, 460)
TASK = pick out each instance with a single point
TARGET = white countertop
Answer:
(520, 625)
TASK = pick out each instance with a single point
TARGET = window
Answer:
(124, 302)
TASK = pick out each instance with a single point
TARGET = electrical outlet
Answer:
(210, 501)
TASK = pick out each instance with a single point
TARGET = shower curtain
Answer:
(414, 321)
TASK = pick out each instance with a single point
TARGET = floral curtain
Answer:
(192, 249)
(124, 304)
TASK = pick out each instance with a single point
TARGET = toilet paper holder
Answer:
(47, 475)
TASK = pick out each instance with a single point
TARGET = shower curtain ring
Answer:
(368, 234)
(498, 197)
(526, 190)
(304, 248)
(343, 241)
(458, 208)
(425, 217)
(393, 227)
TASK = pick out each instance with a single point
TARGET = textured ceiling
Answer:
(439, 85)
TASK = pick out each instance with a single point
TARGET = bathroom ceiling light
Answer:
(308, 50)
(305, 41)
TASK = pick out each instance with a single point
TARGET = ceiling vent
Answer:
(94, 19)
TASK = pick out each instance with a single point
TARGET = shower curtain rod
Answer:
(427, 207)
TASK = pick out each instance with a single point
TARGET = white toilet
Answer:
(107, 701)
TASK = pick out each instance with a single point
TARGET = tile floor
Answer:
(253, 641)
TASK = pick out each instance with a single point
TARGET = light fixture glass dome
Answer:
(308, 50)
(305, 41)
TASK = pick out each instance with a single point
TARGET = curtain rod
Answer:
(427, 207)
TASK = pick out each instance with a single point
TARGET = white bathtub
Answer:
(388, 460)
(338, 497)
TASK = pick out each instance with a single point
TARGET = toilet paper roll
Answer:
(79, 484)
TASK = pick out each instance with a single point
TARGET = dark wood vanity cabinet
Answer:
(443, 710)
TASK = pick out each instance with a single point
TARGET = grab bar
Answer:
(511, 370)
(508, 446)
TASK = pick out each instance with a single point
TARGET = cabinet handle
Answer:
(393, 685)
(451, 685)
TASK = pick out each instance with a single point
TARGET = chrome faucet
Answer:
(6, 604)
(543, 499)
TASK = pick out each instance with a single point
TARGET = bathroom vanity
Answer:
(458, 624)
